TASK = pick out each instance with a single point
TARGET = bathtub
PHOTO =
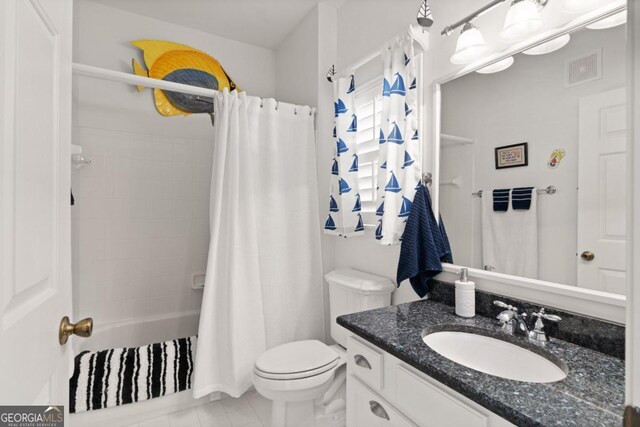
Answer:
(136, 333)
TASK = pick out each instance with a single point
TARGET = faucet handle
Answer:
(505, 306)
(538, 334)
(542, 315)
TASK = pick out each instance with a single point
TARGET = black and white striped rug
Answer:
(117, 376)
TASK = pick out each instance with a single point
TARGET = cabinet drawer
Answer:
(367, 409)
(365, 362)
(430, 405)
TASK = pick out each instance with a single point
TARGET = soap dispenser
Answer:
(465, 295)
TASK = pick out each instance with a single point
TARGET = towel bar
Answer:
(549, 190)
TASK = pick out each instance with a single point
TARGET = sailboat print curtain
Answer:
(344, 218)
(399, 174)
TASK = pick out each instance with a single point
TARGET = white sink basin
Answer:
(494, 356)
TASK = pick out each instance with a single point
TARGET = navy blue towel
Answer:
(501, 200)
(521, 198)
(424, 247)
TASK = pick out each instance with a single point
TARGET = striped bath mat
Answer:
(107, 378)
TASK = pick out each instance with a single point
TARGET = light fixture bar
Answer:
(484, 9)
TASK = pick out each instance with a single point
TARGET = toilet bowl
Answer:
(305, 380)
(302, 378)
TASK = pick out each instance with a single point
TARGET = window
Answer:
(369, 107)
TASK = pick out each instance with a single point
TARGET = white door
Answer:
(35, 262)
(602, 192)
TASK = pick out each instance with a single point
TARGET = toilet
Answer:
(305, 380)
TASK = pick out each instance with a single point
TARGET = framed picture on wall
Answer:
(512, 156)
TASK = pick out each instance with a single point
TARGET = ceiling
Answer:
(264, 23)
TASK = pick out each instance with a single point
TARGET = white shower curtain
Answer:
(264, 278)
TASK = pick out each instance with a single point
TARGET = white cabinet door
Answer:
(602, 192)
(35, 262)
(431, 404)
(366, 409)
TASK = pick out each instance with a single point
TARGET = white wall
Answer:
(526, 103)
(297, 62)
(140, 223)
(300, 79)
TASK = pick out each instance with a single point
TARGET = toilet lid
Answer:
(299, 359)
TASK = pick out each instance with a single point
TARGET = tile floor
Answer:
(250, 410)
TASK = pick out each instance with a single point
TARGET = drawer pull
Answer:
(378, 410)
(362, 361)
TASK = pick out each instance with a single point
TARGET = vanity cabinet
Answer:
(384, 391)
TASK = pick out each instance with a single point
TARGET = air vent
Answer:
(583, 69)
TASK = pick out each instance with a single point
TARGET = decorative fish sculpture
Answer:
(179, 63)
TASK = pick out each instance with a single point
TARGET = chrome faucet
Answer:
(538, 334)
(512, 322)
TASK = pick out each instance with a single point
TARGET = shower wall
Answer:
(140, 227)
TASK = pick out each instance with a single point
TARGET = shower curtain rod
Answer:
(417, 33)
(119, 76)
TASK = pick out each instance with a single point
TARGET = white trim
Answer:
(633, 256)
(597, 304)
(602, 305)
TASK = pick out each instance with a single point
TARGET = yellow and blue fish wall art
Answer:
(179, 63)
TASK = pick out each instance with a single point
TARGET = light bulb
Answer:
(522, 20)
(470, 46)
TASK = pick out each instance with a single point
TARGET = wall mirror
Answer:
(546, 129)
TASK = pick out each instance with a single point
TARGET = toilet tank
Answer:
(351, 291)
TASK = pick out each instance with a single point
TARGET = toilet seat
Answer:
(297, 375)
(296, 360)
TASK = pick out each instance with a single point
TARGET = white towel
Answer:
(510, 239)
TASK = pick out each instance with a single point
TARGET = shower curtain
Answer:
(263, 283)
(399, 173)
(344, 217)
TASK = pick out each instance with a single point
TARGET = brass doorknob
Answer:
(587, 256)
(83, 328)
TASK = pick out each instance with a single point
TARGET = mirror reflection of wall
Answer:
(537, 102)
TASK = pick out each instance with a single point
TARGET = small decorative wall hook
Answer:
(425, 17)
(331, 73)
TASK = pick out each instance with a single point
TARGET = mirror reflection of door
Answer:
(569, 100)
(602, 192)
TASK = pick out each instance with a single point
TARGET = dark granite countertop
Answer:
(592, 394)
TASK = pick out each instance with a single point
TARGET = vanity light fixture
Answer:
(610, 21)
(523, 19)
(497, 66)
(550, 46)
(470, 46)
